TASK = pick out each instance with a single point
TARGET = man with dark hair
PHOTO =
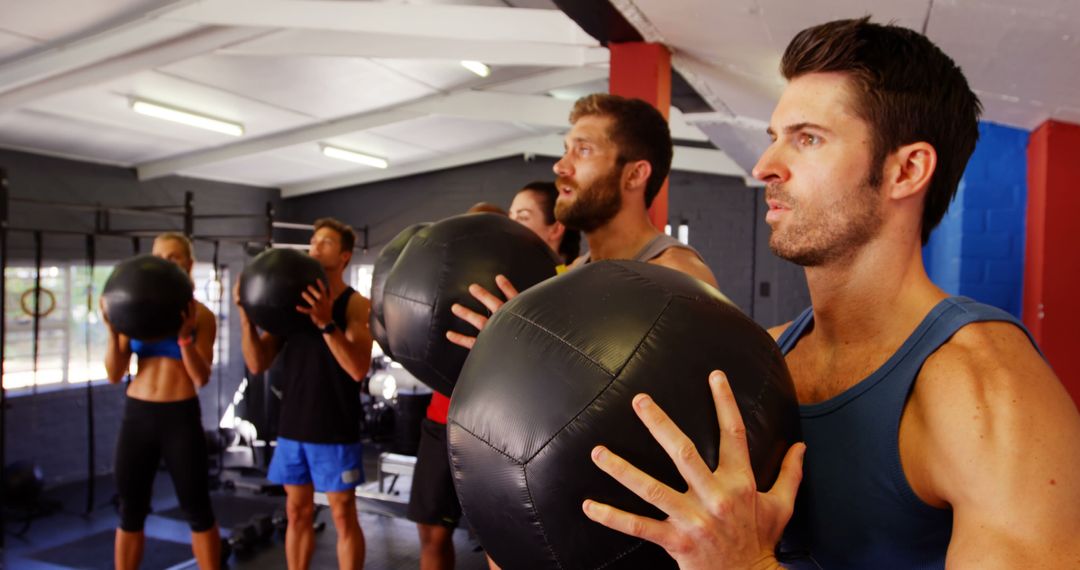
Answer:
(618, 153)
(318, 446)
(935, 433)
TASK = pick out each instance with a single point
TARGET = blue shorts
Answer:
(329, 466)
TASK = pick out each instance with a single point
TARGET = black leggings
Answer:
(152, 431)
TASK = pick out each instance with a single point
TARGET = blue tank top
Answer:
(166, 347)
(855, 508)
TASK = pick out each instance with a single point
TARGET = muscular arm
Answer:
(259, 349)
(991, 432)
(199, 355)
(688, 262)
(352, 347)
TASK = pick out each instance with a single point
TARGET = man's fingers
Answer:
(307, 298)
(468, 315)
(642, 527)
(734, 450)
(315, 292)
(487, 298)
(640, 483)
(461, 339)
(507, 288)
(787, 482)
(678, 446)
(303, 309)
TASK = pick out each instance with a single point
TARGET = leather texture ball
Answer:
(383, 264)
(553, 375)
(145, 297)
(271, 287)
(435, 270)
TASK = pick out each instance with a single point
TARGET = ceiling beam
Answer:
(541, 83)
(171, 165)
(689, 159)
(169, 51)
(536, 110)
(392, 46)
(95, 46)
(424, 20)
(367, 176)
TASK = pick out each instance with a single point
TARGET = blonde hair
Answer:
(182, 240)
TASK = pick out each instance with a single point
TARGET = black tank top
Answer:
(320, 402)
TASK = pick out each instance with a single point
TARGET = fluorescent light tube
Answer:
(353, 156)
(476, 67)
(186, 117)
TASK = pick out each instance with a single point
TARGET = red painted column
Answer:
(1051, 305)
(643, 70)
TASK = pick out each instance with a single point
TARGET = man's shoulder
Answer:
(986, 349)
(687, 261)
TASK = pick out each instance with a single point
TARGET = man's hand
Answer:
(475, 319)
(321, 305)
(721, 521)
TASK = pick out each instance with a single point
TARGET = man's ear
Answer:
(636, 173)
(909, 169)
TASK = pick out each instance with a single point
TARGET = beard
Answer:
(818, 234)
(594, 205)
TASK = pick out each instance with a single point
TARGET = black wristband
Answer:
(329, 328)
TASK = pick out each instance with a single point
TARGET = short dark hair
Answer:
(638, 129)
(348, 235)
(905, 88)
(546, 194)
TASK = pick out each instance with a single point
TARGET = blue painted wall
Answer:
(978, 250)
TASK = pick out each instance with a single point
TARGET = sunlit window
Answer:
(71, 337)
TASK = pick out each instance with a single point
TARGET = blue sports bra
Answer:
(167, 347)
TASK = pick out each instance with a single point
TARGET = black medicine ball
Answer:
(270, 289)
(145, 297)
(553, 375)
(383, 264)
(434, 272)
(23, 484)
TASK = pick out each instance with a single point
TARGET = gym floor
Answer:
(67, 538)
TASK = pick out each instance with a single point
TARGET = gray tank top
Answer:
(654, 248)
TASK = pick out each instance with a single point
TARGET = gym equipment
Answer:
(146, 296)
(383, 264)
(435, 270)
(270, 289)
(553, 374)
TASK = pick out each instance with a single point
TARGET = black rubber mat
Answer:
(96, 552)
(233, 509)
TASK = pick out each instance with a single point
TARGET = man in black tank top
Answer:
(318, 446)
(618, 154)
(936, 434)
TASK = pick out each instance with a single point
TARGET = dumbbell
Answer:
(242, 540)
(264, 527)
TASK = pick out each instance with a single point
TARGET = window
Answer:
(71, 340)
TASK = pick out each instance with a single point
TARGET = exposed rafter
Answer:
(689, 159)
(536, 110)
(393, 46)
(423, 20)
(95, 46)
(189, 45)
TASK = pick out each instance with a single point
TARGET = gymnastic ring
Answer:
(23, 302)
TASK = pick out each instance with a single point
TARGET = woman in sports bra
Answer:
(162, 421)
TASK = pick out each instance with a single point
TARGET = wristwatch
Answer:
(329, 328)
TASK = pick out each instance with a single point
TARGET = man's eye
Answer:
(808, 139)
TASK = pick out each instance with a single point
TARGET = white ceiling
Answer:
(383, 77)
